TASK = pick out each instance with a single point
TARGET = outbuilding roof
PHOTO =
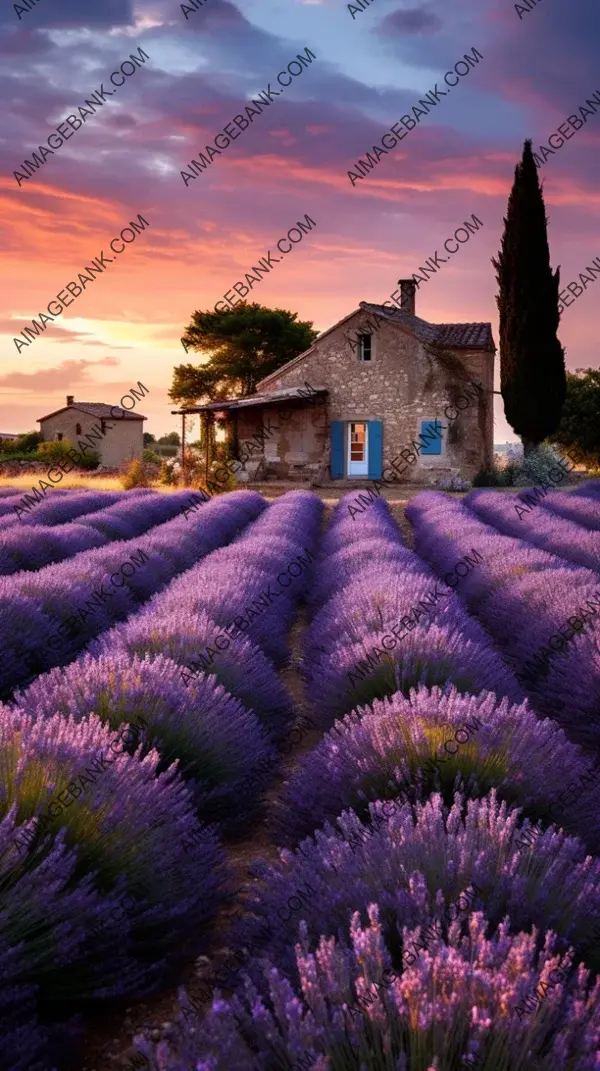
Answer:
(96, 409)
(282, 394)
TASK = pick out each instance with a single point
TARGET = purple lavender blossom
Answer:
(583, 511)
(550, 532)
(49, 597)
(189, 639)
(453, 1005)
(430, 655)
(381, 753)
(413, 867)
(112, 823)
(214, 740)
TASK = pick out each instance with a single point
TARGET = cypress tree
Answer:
(532, 360)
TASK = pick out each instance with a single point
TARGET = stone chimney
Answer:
(407, 295)
(70, 399)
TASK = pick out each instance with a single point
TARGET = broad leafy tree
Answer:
(238, 347)
(580, 421)
(532, 360)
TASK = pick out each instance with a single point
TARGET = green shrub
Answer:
(28, 442)
(89, 461)
(490, 477)
(57, 453)
(167, 475)
(135, 476)
(54, 452)
(538, 465)
(151, 456)
(24, 446)
(510, 474)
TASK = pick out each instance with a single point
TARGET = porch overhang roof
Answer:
(275, 397)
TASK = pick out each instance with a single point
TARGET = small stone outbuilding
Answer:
(117, 435)
(379, 385)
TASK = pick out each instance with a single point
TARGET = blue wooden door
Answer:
(336, 464)
(375, 449)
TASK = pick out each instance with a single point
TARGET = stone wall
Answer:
(294, 448)
(122, 442)
(402, 385)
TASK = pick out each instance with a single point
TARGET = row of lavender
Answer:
(124, 830)
(206, 686)
(566, 525)
(62, 505)
(368, 951)
(53, 534)
(136, 875)
(540, 609)
(46, 617)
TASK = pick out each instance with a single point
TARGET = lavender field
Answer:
(400, 743)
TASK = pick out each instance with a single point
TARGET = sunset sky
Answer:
(201, 72)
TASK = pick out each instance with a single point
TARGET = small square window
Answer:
(364, 347)
(59, 436)
(431, 437)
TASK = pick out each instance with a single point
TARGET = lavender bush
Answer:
(550, 532)
(213, 739)
(396, 749)
(453, 1008)
(130, 828)
(414, 865)
(575, 508)
(430, 655)
(47, 598)
(188, 638)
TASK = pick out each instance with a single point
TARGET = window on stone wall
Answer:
(59, 436)
(364, 347)
(78, 429)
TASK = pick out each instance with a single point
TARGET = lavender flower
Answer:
(429, 656)
(118, 824)
(48, 598)
(413, 866)
(550, 532)
(213, 738)
(452, 1007)
(583, 511)
(396, 750)
(189, 639)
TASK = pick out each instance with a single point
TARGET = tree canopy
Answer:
(580, 420)
(532, 364)
(240, 346)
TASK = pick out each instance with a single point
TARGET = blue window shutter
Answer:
(429, 428)
(336, 463)
(375, 447)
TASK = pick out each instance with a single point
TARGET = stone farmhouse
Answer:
(374, 383)
(116, 434)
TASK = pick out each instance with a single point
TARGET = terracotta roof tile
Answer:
(476, 336)
(97, 409)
